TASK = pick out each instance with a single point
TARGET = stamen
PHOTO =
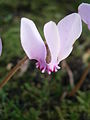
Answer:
(43, 70)
(37, 65)
(56, 69)
(49, 72)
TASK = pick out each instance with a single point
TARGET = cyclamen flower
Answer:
(59, 38)
(0, 47)
(84, 11)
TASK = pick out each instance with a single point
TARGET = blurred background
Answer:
(31, 95)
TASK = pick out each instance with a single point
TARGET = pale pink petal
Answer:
(70, 28)
(52, 38)
(0, 47)
(31, 40)
(84, 11)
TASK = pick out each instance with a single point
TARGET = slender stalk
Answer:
(13, 71)
(70, 74)
(75, 89)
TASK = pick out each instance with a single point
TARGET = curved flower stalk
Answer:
(84, 11)
(0, 47)
(59, 41)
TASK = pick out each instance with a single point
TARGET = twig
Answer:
(64, 94)
(75, 89)
(70, 74)
(13, 71)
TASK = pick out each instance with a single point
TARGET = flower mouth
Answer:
(47, 65)
(49, 68)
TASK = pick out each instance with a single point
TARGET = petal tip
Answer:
(23, 19)
(26, 20)
(49, 23)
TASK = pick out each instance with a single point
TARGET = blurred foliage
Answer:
(36, 96)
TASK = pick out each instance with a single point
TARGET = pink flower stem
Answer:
(13, 71)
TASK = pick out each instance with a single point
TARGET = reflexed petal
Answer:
(84, 11)
(0, 46)
(31, 40)
(52, 39)
(70, 29)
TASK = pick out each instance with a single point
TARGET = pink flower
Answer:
(0, 47)
(59, 38)
(84, 11)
